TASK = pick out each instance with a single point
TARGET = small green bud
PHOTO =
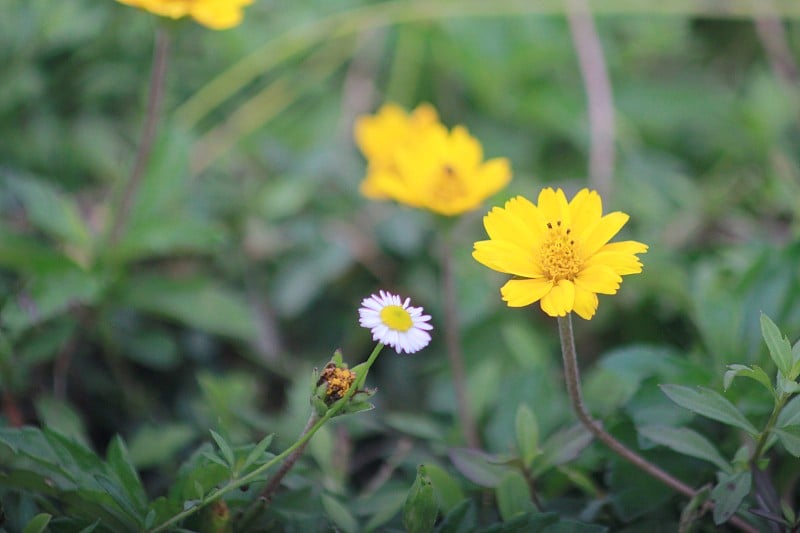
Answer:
(420, 510)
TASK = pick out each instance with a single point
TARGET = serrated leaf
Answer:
(687, 442)
(224, 448)
(257, 452)
(527, 430)
(779, 348)
(755, 372)
(728, 495)
(513, 495)
(38, 523)
(710, 404)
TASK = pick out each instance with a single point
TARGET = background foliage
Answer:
(248, 249)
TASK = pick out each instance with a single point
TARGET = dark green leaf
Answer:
(120, 463)
(339, 514)
(756, 373)
(708, 403)
(561, 447)
(779, 348)
(461, 519)
(257, 453)
(224, 447)
(478, 467)
(447, 490)
(790, 438)
(527, 430)
(154, 445)
(687, 442)
(38, 523)
(420, 509)
(728, 495)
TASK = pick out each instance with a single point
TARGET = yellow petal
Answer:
(530, 216)
(586, 208)
(493, 175)
(522, 292)
(625, 247)
(506, 225)
(560, 300)
(506, 257)
(599, 278)
(622, 263)
(585, 303)
(553, 206)
(603, 231)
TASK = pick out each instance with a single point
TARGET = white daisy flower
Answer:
(395, 323)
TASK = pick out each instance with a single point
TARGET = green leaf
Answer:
(60, 416)
(779, 348)
(51, 211)
(532, 522)
(155, 445)
(756, 373)
(790, 438)
(790, 414)
(513, 496)
(339, 514)
(448, 491)
(478, 467)
(527, 429)
(687, 442)
(120, 463)
(257, 452)
(198, 302)
(224, 448)
(38, 523)
(709, 403)
(561, 447)
(728, 495)
(461, 519)
(420, 509)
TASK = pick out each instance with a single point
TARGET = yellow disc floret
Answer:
(396, 318)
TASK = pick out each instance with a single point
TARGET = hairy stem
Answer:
(287, 465)
(453, 344)
(573, 380)
(154, 99)
(597, 86)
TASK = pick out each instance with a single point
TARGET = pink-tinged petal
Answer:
(560, 300)
(522, 292)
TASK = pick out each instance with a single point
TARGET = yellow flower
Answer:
(215, 14)
(416, 161)
(558, 252)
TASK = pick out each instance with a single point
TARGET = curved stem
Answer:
(573, 381)
(287, 465)
(764, 436)
(453, 343)
(301, 442)
(154, 99)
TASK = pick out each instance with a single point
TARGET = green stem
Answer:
(452, 338)
(154, 98)
(573, 381)
(300, 443)
(764, 436)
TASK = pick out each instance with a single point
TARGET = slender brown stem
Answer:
(453, 344)
(573, 380)
(597, 85)
(771, 33)
(288, 463)
(154, 98)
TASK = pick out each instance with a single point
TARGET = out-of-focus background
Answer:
(248, 247)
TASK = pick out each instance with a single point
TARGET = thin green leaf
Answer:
(119, 461)
(687, 442)
(709, 403)
(224, 448)
(790, 438)
(562, 447)
(448, 491)
(527, 430)
(257, 452)
(38, 523)
(213, 457)
(755, 372)
(790, 414)
(477, 467)
(779, 348)
(339, 514)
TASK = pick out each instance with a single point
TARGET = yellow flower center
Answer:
(558, 257)
(396, 318)
(448, 185)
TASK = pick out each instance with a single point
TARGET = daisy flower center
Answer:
(448, 185)
(396, 318)
(559, 258)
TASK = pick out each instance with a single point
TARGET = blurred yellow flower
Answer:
(215, 14)
(558, 251)
(415, 160)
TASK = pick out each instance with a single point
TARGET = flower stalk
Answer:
(572, 378)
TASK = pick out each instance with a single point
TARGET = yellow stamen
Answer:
(396, 318)
(559, 258)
